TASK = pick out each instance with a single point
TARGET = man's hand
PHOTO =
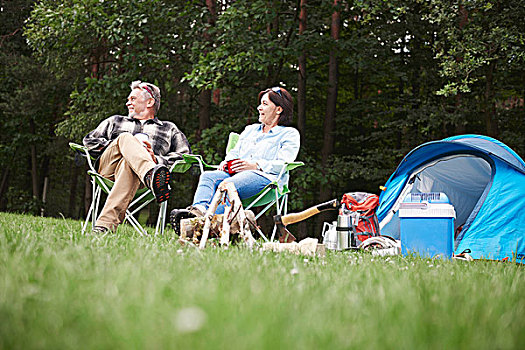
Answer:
(150, 150)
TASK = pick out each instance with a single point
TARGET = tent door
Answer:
(462, 177)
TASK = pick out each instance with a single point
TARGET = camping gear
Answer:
(336, 237)
(484, 180)
(381, 246)
(345, 231)
(427, 225)
(362, 207)
(329, 235)
(282, 220)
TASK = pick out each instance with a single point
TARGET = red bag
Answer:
(363, 206)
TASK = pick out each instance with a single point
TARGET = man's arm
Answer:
(97, 140)
(179, 146)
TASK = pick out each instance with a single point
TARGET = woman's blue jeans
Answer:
(248, 183)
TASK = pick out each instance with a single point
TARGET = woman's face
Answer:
(268, 111)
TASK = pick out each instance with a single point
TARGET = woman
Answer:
(259, 155)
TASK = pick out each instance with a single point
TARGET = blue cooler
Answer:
(427, 225)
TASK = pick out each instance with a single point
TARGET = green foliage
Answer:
(409, 72)
(244, 56)
(20, 201)
(475, 35)
(111, 43)
(64, 290)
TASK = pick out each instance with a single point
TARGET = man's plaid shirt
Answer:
(167, 141)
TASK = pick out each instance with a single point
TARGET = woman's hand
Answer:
(242, 165)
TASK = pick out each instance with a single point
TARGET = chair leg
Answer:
(161, 220)
(95, 213)
(89, 213)
(136, 225)
(282, 208)
(278, 210)
(257, 199)
(278, 205)
(273, 233)
(268, 206)
(95, 196)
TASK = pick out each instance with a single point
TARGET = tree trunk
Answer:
(34, 167)
(3, 188)
(73, 184)
(325, 192)
(205, 95)
(301, 99)
(301, 81)
(44, 172)
(329, 121)
(463, 20)
(204, 111)
(489, 111)
(44, 181)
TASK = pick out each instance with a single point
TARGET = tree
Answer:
(301, 76)
(488, 40)
(31, 101)
(399, 73)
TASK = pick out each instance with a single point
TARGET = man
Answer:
(129, 161)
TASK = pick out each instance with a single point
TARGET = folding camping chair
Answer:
(143, 197)
(269, 196)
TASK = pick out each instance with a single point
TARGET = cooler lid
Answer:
(426, 210)
(430, 197)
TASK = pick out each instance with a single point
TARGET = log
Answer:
(191, 229)
(307, 247)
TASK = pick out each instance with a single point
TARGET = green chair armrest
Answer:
(77, 147)
(188, 160)
(81, 149)
(180, 166)
(292, 165)
(197, 159)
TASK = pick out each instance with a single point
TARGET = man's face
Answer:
(138, 104)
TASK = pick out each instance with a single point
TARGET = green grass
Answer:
(59, 289)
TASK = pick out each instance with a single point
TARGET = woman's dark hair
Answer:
(280, 97)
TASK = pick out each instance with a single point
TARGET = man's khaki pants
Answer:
(126, 161)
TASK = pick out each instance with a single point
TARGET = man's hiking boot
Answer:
(100, 230)
(158, 181)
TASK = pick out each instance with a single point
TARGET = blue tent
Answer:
(485, 182)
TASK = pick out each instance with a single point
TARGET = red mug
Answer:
(228, 167)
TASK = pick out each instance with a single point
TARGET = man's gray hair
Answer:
(148, 91)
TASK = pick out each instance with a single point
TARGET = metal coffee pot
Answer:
(330, 235)
(340, 234)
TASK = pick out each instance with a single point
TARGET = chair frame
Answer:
(270, 195)
(143, 197)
